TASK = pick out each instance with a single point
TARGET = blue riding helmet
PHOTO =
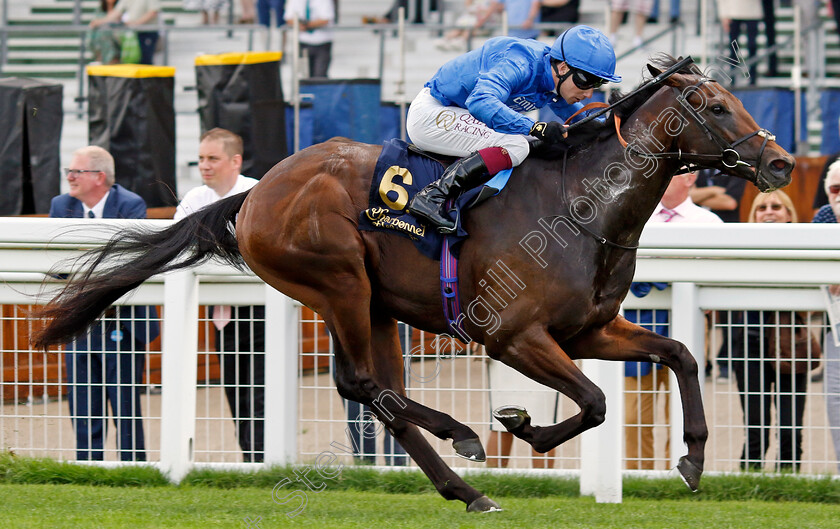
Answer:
(586, 49)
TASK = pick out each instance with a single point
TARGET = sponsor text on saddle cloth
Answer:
(399, 174)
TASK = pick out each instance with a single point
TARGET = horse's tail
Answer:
(132, 256)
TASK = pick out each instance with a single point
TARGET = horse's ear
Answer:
(672, 80)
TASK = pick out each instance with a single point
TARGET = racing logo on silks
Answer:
(463, 123)
(520, 104)
(445, 119)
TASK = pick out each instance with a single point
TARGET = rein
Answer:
(602, 240)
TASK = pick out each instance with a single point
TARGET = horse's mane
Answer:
(600, 130)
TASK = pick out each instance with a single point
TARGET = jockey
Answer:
(471, 108)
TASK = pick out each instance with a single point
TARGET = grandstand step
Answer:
(63, 10)
(54, 59)
(53, 72)
(51, 19)
(43, 45)
(59, 33)
(89, 8)
(45, 20)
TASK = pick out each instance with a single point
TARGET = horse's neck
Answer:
(624, 189)
(648, 177)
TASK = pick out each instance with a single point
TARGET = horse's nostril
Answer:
(779, 164)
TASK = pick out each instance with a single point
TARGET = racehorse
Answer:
(565, 230)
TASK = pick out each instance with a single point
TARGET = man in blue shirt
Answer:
(472, 108)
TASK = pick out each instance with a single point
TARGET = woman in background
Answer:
(761, 378)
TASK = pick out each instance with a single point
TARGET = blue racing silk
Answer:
(499, 80)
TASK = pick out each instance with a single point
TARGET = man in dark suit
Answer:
(105, 365)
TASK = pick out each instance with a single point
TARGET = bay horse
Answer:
(565, 229)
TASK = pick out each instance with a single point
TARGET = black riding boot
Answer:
(428, 204)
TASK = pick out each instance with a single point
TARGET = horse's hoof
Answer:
(470, 449)
(512, 417)
(689, 473)
(483, 504)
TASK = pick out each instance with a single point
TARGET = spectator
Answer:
(456, 39)
(734, 16)
(107, 365)
(316, 19)
(240, 330)
(102, 42)
(135, 13)
(391, 16)
(210, 9)
(522, 15)
(267, 8)
(761, 379)
(559, 11)
(719, 193)
(830, 213)
(641, 10)
(820, 196)
(768, 10)
(674, 12)
(249, 12)
(507, 386)
(641, 381)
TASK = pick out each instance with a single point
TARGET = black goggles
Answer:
(585, 80)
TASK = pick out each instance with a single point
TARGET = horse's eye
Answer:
(718, 109)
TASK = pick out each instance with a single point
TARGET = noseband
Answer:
(728, 156)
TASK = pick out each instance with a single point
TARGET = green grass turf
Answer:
(737, 487)
(66, 506)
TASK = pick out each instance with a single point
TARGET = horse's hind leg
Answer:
(339, 290)
(348, 314)
(389, 372)
(623, 341)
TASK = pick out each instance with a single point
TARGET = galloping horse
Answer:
(566, 229)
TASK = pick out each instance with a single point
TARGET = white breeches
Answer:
(454, 132)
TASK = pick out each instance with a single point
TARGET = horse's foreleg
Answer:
(621, 340)
(535, 354)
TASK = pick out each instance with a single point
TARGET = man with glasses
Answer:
(830, 213)
(472, 108)
(106, 366)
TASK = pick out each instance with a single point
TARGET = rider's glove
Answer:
(551, 132)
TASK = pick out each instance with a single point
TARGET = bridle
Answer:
(728, 156)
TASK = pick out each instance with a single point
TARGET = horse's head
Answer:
(716, 131)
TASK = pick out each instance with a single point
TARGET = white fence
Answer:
(722, 268)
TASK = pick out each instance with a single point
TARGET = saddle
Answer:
(401, 171)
